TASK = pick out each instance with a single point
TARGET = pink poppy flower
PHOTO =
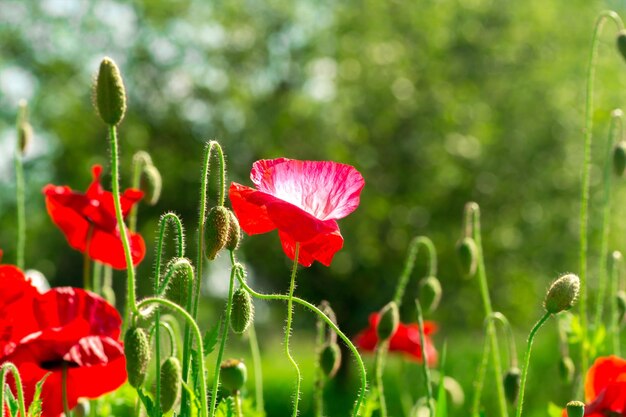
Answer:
(303, 200)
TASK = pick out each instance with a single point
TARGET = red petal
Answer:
(321, 248)
(603, 373)
(108, 249)
(250, 210)
(16, 303)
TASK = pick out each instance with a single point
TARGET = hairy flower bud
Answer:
(566, 369)
(330, 359)
(430, 294)
(110, 96)
(575, 409)
(621, 43)
(234, 232)
(217, 231)
(389, 320)
(151, 184)
(562, 294)
(137, 350)
(511, 383)
(233, 374)
(619, 158)
(467, 254)
(242, 312)
(170, 383)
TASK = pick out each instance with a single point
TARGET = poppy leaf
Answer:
(146, 400)
(11, 401)
(35, 408)
(195, 402)
(209, 341)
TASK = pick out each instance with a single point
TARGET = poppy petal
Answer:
(603, 373)
(321, 248)
(108, 249)
(249, 207)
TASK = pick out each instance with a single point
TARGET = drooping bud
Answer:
(170, 383)
(137, 350)
(151, 184)
(562, 294)
(233, 374)
(575, 409)
(511, 384)
(619, 158)
(621, 43)
(566, 369)
(330, 359)
(234, 232)
(621, 306)
(242, 312)
(388, 323)
(467, 253)
(110, 96)
(217, 231)
(430, 294)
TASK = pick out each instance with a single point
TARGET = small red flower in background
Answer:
(605, 388)
(89, 224)
(303, 200)
(42, 333)
(406, 339)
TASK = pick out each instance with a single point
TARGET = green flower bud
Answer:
(619, 158)
(151, 184)
(621, 306)
(330, 359)
(110, 96)
(566, 369)
(430, 294)
(562, 294)
(137, 350)
(217, 231)
(467, 253)
(242, 312)
(170, 383)
(24, 136)
(389, 320)
(621, 43)
(234, 232)
(82, 409)
(575, 409)
(234, 375)
(511, 384)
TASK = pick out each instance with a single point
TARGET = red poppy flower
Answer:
(303, 200)
(605, 388)
(89, 224)
(406, 339)
(64, 327)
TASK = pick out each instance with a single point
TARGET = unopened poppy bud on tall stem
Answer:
(24, 136)
(575, 409)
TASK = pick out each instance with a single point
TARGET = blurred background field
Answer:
(436, 102)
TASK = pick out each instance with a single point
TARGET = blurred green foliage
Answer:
(436, 102)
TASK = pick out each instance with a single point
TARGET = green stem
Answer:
(614, 278)
(320, 342)
(409, 263)
(379, 361)
(292, 286)
(238, 412)
(427, 379)
(66, 407)
(616, 116)
(202, 390)
(484, 292)
(529, 347)
(480, 380)
(21, 208)
(97, 277)
(584, 200)
(328, 321)
(170, 334)
(140, 160)
(115, 185)
(10, 367)
(223, 337)
(258, 369)
(87, 284)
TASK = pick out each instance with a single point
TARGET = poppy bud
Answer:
(330, 359)
(234, 375)
(170, 383)
(575, 409)
(388, 324)
(234, 232)
(562, 294)
(566, 369)
(619, 158)
(467, 253)
(242, 312)
(430, 294)
(151, 184)
(621, 306)
(217, 231)
(137, 350)
(621, 43)
(511, 384)
(24, 136)
(110, 97)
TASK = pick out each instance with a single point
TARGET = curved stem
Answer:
(258, 369)
(512, 350)
(614, 278)
(381, 353)
(427, 379)
(170, 334)
(115, 185)
(328, 321)
(409, 263)
(584, 200)
(194, 327)
(292, 286)
(529, 347)
(10, 367)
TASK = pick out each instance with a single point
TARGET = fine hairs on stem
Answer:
(292, 285)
